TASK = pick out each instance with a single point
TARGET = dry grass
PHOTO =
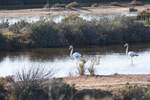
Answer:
(112, 82)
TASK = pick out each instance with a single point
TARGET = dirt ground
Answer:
(108, 82)
(102, 10)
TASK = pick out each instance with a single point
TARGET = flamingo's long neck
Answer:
(127, 49)
(71, 52)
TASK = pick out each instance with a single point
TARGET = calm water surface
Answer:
(112, 60)
(59, 18)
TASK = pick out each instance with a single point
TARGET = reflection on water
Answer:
(113, 60)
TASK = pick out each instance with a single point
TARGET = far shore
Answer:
(101, 10)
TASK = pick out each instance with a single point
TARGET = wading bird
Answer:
(74, 55)
(130, 53)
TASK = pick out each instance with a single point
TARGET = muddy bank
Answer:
(108, 82)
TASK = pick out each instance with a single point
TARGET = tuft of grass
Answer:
(81, 68)
(30, 84)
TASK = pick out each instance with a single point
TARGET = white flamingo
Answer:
(74, 55)
(130, 53)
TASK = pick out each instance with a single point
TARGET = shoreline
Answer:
(102, 10)
(108, 82)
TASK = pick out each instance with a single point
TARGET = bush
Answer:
(132, 9)
(81, 67)
(17, 27)
(72, 5)
(29, 85)
(132, 93)
(6, 93)
(91, 69)
(45, 34)
(77, 31)
(2, 41)
(92, 94)
(3, 91)
(4, 24)
(58, 90)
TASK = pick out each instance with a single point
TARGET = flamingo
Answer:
(130, 53)
(74, 55)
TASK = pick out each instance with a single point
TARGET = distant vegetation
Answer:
(73, 30)
(7, 4)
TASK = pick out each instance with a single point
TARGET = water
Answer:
(112, 60)
(59, 18)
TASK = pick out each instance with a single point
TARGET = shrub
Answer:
(81, 67)
(72, 5)
(5, 88)
(58, 90)
(132, 93)
(17, 27)
(92, 94)
(77, 31)
(45, 34)
(3, 91)
(4, 24)
(132, 10)
(91, 69)
(2, 41)
(29, 85)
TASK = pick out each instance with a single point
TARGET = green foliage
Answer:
(58, 90)
(17, 27)
(92, 94)
(29, 85)
(3, 91)
(2, 41)
(45, 34)
(132, 93)
(76, 31)
(4, 24)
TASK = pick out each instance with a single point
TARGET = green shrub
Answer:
(77, 31)
(2, 41)
(132, 9)
(29, 85)
(4, 24)
(132, 92)
(3, 91)
(58, 90)
(92, 94)
(17, 27)
(45, 34)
